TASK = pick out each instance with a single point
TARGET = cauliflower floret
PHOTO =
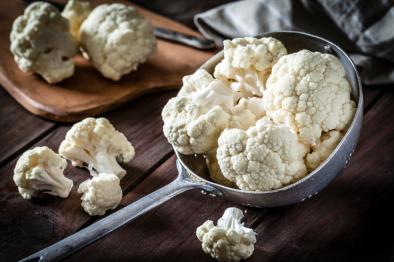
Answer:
(192, 128)
(117, 38)
(230, 240)
(40, 170)
(247, 63)
(214, 170)
(203, 108)
(96, 143)
(323, 148)
(309, 92)
(264, 157)
(41, 43)
(246, 112)
(204, 90)
(194, 119)
(76, 12)
(100, 194)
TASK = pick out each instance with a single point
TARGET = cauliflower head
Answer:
(117, 38)
(264, 157)
(203, 108)
(309, 92)
(229, 240)
(76, 12)
(97, 145)
(247, 63)
(323, 148)
(41, 43)
(101, 193)
(40, 170)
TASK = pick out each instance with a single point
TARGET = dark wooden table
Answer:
(352, 219)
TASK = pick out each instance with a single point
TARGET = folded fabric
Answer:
(363, 28)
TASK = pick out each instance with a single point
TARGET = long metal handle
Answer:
(189, 40)
(125, 215)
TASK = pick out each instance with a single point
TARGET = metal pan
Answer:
(193, 172)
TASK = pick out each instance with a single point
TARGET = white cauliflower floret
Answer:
(246, 112)
(192, 128)
(41, 43)
(203, 108)
(194, 119)
(40, 170)
(264, 157)
(192, 84)
(76, 12)
(323, 148)
(98, 145)
(206, 91)
(117, 38)
(309, 92)
(101, 193)
(247, 63)
(229, 240)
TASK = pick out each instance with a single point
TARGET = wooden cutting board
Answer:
(87, 92)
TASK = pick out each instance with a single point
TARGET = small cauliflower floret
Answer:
(229, 240)
(192, 84)
(206, 91)
(194, 119)
(192, 128)
(214, 170)
(247, 63)
(323, 148)
(203, 108)
(40, 170)
(101, 193)
(97, 145)
(41, 43)
(76, 12)
(266, 156)
(117, 38)
(246, 112)
(309, 92)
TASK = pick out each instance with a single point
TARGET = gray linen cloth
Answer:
(363, 28)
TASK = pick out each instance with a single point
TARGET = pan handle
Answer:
(104, 226)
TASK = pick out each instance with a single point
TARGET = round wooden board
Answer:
(87, 92)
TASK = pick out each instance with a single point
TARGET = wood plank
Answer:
(18, 127)
(371, 93)
(27, 226)
(351, 219)
(168, 232)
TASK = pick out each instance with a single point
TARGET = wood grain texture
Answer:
(40, 222)
(18, 127)
(87, 92)
(351, 219)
